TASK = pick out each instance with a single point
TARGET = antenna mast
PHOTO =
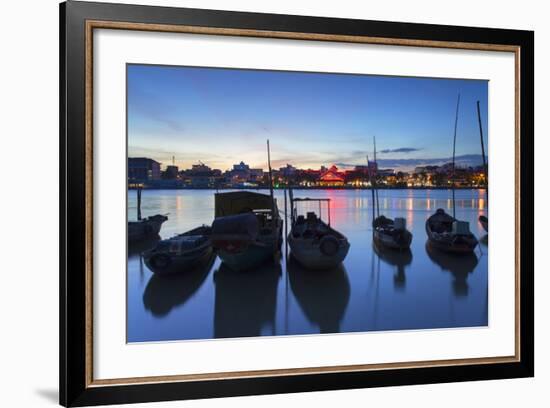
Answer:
(454, 153)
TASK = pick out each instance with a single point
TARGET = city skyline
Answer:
(222, 116)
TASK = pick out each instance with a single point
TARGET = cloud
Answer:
(401, 150)
(467, 160)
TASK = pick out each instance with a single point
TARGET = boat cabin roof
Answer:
(238, 202)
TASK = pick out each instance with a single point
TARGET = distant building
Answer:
(141, 169)
(171, 172)
(331, 178)
(202, 176)
(288, 171)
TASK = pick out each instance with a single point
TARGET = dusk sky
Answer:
(223, 116)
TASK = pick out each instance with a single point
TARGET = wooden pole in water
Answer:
(286, 225)
(375, 184)
(139, 203)
(454, 153)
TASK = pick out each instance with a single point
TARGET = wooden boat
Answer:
(247, 230)
(448, 234)
(387, 233)
(314, 243)
(484, 221)
(180, 253)
(145, 228)
(445, 232)
(391, 234)
(164, 293)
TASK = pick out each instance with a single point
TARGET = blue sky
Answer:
(222, 116)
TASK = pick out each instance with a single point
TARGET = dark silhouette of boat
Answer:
(314, 243)
(391, 234)
(245, 303)
(484, 221)
(247, 229)
(164, 293)
(445, 232)
(180, 253)
(387, 232)
(323, 295)
(448, 234)
(144, 228)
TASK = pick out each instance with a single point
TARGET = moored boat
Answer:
(180, 253)
(448, 234)
(145, 228)
(391, 234)
(484, 221)
(314, 243)
(247, 230)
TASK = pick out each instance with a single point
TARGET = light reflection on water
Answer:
(372, 290)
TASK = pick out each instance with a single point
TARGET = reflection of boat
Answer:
(484, 221)
(314, 243)
(144, 228)
(162, 294)
(459, 266)
(391, 233)
(448, 234)
(322, 295)
(398, 259)
(180, 253)
(245, 302)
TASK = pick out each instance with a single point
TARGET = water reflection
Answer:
(373, 290)
(245, 301)
(322, 295)
(164, 293)
(460, 267)
(397, 259)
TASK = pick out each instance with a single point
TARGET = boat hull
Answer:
(444, 239)
(311, 257)
(253, 256)
(400, 242)
(145, 229)
(179, 263)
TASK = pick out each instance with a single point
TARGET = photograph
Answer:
(288, 203)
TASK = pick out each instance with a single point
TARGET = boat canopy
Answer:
(239, 202)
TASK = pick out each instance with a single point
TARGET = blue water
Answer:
(371, 291)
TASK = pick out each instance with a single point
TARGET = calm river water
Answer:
(371, 291)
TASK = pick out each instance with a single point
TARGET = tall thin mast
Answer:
(372, 191)
(454, 153)
(375, 185)
(270, 181)
(482, 145)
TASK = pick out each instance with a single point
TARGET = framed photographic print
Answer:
(255, 203)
